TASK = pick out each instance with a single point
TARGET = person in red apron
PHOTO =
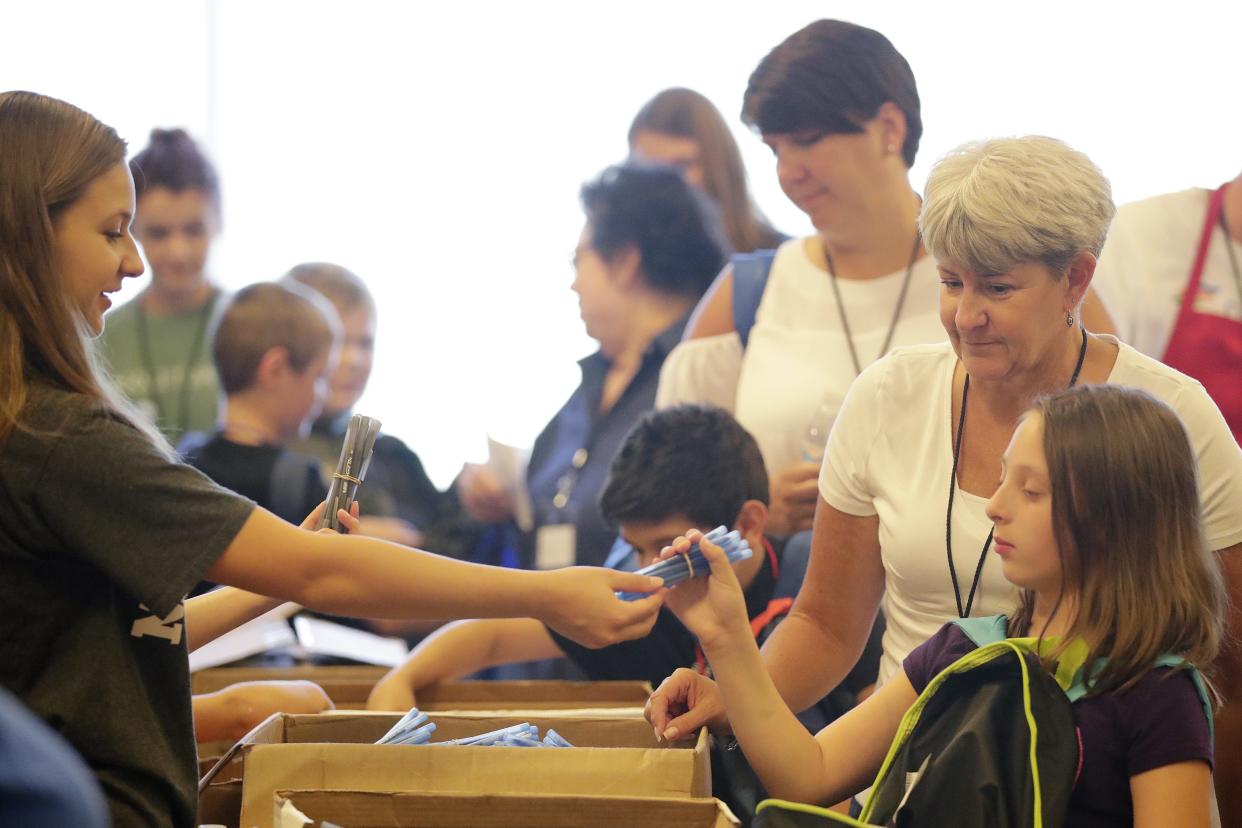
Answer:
(1170, 275)
(1204, 345)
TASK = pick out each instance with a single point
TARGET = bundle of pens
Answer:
(692, 564)
(411, 729)
(351, 468)
(414, 729)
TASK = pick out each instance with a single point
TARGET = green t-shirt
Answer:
(100, 537)
(176, 400)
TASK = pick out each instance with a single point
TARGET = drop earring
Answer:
(1069, 320)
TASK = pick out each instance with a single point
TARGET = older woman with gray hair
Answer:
(1015, 226)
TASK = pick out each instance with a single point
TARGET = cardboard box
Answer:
(355, 809)
(349, 686)
(612, 756)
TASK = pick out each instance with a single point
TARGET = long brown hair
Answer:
(685, 113)
(50, 152)
(1127, 519)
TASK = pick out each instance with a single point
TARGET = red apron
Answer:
(1205, 346)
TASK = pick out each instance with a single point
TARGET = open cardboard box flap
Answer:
(612, 756)
(356, 809)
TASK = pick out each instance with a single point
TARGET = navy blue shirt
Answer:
(579, 429)
(42, 781)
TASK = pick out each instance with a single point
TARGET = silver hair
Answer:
(992, 205)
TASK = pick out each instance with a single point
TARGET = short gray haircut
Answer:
(993, 205)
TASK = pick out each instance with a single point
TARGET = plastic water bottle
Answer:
(815, 438)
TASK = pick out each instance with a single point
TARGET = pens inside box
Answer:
(414, 728)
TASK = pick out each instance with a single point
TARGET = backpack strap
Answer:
(750, 278)
(984, 630)
(1078, 688)
(286, 488)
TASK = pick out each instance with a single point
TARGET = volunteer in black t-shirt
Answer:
(102, 533)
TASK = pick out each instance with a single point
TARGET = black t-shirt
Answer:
(250, 470)
(100, 537)
(668, 646)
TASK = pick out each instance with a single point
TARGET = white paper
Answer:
(320, 637)
(267, 632)
(556, 546)
(509, 464)
(291, 817)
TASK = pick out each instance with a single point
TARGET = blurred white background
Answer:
(437, 149)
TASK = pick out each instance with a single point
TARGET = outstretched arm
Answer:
(458, 650)
(366, 577)
(826, 768)
(209, 616)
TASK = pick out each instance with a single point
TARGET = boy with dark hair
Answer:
(273, 348)
(681, 467)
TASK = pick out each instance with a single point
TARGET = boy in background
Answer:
(678, 468)
(398, 501)
(273, 348)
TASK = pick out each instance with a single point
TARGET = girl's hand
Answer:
(712, 607)
(349, 519)
(579, 603)
(684, 702)
(392, 692)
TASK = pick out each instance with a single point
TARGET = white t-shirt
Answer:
(1145, 266)
(798, 358)
(890, 454)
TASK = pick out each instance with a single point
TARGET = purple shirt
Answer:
(1160, 721)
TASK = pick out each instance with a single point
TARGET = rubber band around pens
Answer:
(689, 563)
(350, 478)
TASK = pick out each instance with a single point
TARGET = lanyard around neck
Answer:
(964, 611)
(901, 301)
(148, 364)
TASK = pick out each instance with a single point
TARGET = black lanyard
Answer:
(148, 363)
(948, 516)
(901, 301)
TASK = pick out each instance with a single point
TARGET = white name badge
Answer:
(556, 546)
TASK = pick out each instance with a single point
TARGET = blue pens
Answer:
(692, 564)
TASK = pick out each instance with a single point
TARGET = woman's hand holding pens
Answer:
(581, 603)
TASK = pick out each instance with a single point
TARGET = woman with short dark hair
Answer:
(650, 247)
(838, 106)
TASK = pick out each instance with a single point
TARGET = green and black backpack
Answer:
(990, 743)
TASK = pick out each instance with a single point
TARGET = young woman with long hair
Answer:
(102, 533)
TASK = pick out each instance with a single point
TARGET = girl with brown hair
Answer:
(102, 534)
(1097, 522)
